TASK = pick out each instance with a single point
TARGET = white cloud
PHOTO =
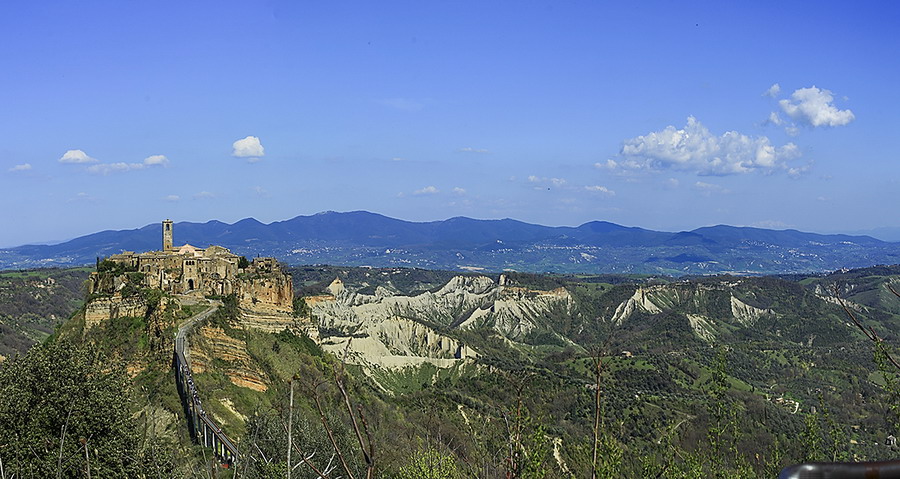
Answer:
(814, 107)
(774, 119)
(156, 160)
(459, 191)
(428, 190)
(789, 151)
(610, 165)
(600, 189)
(672, 183)
(203, 195)
(773, 91)
(694, 149)
(557, 182)
(76, 156)
(107, 168)
(708, 188)
(260, 191)
(22, 167)
(469, 149)
(172, 198)
(248, 147)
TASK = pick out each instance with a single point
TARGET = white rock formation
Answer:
(393, 331)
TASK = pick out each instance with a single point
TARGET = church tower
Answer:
(167, 235)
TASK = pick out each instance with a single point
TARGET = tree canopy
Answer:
(64, 412)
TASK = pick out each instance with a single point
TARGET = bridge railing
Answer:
(202, 428)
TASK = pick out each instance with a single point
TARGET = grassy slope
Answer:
(31, 307)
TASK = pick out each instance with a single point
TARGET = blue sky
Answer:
(664, 115)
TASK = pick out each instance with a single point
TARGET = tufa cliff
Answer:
(704, 305)
(393, 331)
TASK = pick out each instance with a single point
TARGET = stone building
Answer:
(188, 269)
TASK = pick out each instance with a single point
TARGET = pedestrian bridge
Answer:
(202, 428)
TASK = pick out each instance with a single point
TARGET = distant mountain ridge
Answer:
(361, 238)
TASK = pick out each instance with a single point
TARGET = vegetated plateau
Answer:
(463, 375)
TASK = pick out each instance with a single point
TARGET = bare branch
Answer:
(870, 331)
(61, 442)
(306, 458)
(339, 381)
(328, 430)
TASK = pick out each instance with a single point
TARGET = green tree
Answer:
(243, 263)
(431, 464)
(64, 413)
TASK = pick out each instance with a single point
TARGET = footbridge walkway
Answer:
(202, 428)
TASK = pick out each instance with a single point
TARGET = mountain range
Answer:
(361, 238)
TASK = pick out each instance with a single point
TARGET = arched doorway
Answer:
(190, 285)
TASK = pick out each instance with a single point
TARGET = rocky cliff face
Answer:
(106, 308)
(266, 300)
(702, 302)
(210, 342)
(270, 293)
(395, 330)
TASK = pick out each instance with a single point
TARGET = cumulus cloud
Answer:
(557, 182)
(609, 165)
(774, 119)
(156, 160)
(694, 149)
(107, 168)
(248, 147)
(459, 191)
(469, 149)
(76, 156)
(600, 189)
(773, 91)
(172, 198)
(815, 107)
(792, 130)
(22, 167)
(428, 190)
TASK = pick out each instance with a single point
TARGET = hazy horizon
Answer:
(884, 234)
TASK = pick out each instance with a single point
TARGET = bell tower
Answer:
(167, 235)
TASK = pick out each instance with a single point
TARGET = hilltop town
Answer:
(264, 291)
